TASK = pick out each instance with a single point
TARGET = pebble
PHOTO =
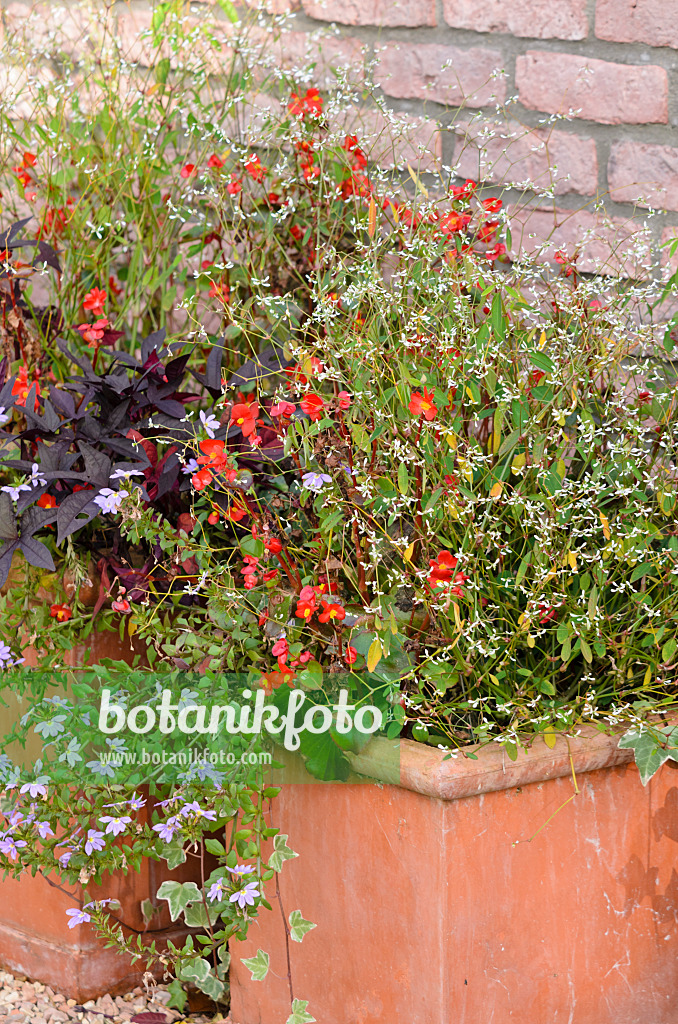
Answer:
(30, 1002)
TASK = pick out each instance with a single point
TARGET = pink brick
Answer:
(397, 140)
(668, 258)
(514, 154)
(273, 6)
(58, 28)
(598, 89)
(638, 21)
(538, 19)
(640, 172)
(444, 74)
(604, 245)
(386, 13)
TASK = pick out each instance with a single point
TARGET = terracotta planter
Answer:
(34, 937)
(434, 904)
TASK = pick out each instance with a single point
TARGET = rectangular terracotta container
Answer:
(472, 892)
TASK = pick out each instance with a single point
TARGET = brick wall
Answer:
(573, 103)
(587, 103)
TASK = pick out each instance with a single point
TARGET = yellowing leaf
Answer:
(648, 675)
(374, 654)
(572, 559)
(605, 523)
(452, 440)
(372, 219)
(549, 737)
(131, 626)
(496, 489)
(518, 462)
(561, 469)
(542, 339)
(530, 641)
(408, 552)
(457, 617)
(494, 679)
(415, 178)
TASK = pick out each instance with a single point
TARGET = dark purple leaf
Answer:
(6, 560)
(149, 1018)
(76, 511)
(8, 525)
(35, 553)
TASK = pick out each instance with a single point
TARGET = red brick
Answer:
(513, 154)
(638, 21)
(605, 245)
(444, 74)
(387, 13)
(597, 89)
(538, 19)
(643, 173)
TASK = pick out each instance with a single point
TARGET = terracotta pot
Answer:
(34, 937)
(476, 891)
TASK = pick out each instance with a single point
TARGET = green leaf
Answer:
(195, 970)
(174, 854)
(215, 847)
(281, 853)
(178, 997)
(195, 916)
(257, 965)
(162, 70)
(178, 895)
(298, 1014)
(229, 10)
(641, 570)
(298, 926)
(403, 478)
(668, 650)
(212, 986)
(586, 650)
(542, 362)
(648, 751)
(593, 601)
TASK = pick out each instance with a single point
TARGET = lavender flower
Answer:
(95, 841)
(37, 788)
(241, 869)
(245, 897)
(15, 491)
(65, 857)
(195, 808)
(209, 422)
(315, 481)
(216, 891)
(5, 654)
(44, 829)
(37, 479)
(77, 916)
(166, 829)
(10, 847)
(109, 500)
(124, 474)
(190, 467)
(115, 826)
(4, 415)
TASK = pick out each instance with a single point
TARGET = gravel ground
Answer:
(29, 1002)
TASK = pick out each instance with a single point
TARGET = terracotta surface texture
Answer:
(524, 901)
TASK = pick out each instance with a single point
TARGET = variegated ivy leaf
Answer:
(178, 895)
(651, 748)
(298, 1014)
(196, 970)
(298, 926)
(257, 965)
(281, 853)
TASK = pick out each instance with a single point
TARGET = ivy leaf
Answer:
(178, 997)
(298, 926)
(281, 853)
(257, 965)
(299, 1014)
(174, 854)
(178, 896)
(196, 970)
(648, 749)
